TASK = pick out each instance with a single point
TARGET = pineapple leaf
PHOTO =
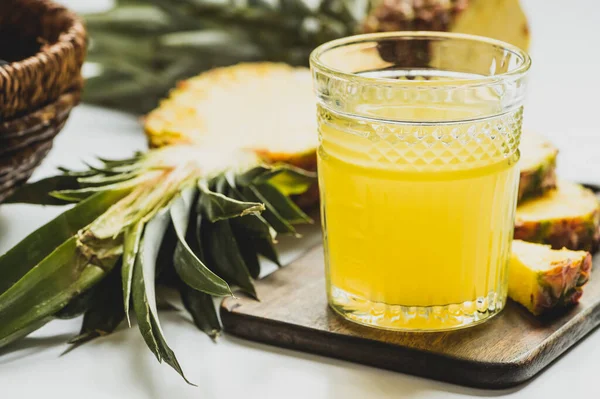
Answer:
(223, 255)
(282, 204)
(131, 246)
(256, 232)
(86, 192)
(144, 292)
(255, 174)
(46, 289)
(38, 192)
(247, 251)
(293, 181)
(202, 309)
(77, 306)
(189, 268)
(102, 179)
(19, 260)
(75, 173)
(271, 215)
(216, 206)
(106, 310)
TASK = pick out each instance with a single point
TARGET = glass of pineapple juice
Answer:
(419, 135)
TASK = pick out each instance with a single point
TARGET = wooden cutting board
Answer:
(505, 351)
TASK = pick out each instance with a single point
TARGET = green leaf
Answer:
(216, 206)
(106, 310)
(247, 178)
(131, 246)
(30, 251)
(144, 294)
(255, 232)
(248, 251)
(46, 289)
(223, 255)
(103, 180)
(39, 192)
(271, 215)
(77, 306)
(293, 181)
(282, 204)
(189, 268)
(202, 309)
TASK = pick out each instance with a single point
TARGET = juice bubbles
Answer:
(419, 136)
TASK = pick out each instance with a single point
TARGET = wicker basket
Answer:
(40, 82)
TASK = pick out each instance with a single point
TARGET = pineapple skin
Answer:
(536, 182)
(543, 291)
(499, 19)
(581, 233)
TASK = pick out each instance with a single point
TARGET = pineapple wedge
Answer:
(538, 165)
(542, 279)
(568, 216)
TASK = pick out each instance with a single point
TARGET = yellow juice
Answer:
(418, 217)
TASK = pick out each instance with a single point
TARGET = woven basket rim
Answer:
(69, 48)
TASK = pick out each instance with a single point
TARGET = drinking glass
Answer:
(418, 151)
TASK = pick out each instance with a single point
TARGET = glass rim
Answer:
(514, 74)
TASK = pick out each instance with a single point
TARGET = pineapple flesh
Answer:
(542, 279)
(568, 216)
(538, 166)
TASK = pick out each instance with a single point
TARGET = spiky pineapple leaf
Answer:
(271, 215)
(77, 306)
(105, 312)
(292, 180)
(223, 255)
(247, 178)
(103, 180)
(282, 204)
(202, 309)
(189, 268)
(46, 289)
(133, 236)
(38, 192)
(144, 293)
(248, 252)
(216, 206)
(36, 246)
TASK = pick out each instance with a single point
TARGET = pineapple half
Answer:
(499, 19)
(568, 216)
(542, 279)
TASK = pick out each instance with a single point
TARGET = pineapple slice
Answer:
(267, 107)
(568, 216)
(542, 279)
(538, 165)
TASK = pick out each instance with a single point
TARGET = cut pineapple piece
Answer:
(542, 279)
(568, 216)
(267, 107)
(538, 166)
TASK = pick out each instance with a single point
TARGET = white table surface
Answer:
(563, 104)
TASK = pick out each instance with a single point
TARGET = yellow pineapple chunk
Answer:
(538, 166)
(568, 216)
(542, 279)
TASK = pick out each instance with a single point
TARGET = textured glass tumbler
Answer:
(419, 135)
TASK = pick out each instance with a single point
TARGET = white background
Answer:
(563, 104)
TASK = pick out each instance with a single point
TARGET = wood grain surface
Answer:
(505, 351)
